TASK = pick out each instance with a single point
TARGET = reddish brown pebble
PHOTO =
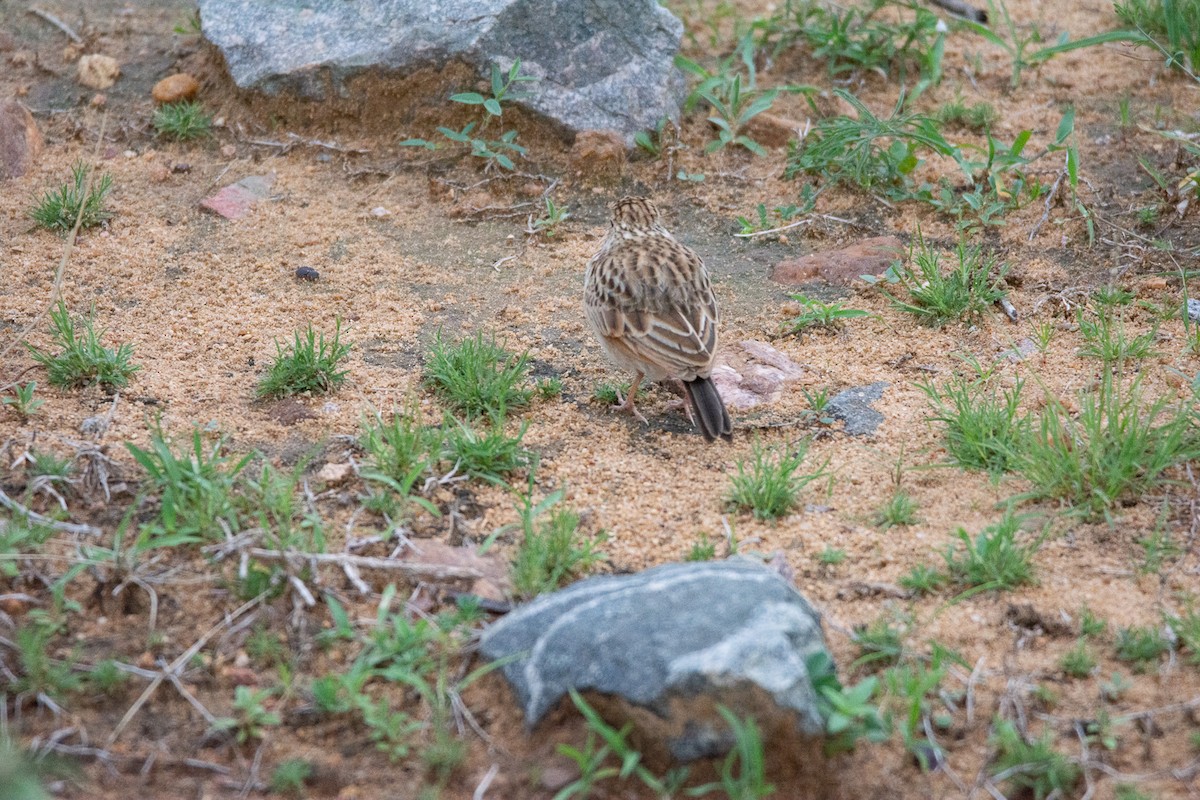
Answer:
(20, 140)
(13, 606)
(841, 267)
(175, 88)
(307, 274)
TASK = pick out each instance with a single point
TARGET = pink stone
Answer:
(234, 201)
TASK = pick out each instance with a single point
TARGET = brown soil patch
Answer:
(202, 301)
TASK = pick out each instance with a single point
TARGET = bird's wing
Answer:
(654, 300)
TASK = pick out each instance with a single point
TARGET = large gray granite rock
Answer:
(600, 64)
(675, 640)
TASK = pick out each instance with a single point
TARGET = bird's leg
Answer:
(626, 405)
(683, 402)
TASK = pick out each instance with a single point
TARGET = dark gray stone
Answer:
(673, 640)
(600, 64)
(853, 407)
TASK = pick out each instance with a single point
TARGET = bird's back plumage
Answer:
(649, 301)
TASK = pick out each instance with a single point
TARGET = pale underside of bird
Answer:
(650, 304)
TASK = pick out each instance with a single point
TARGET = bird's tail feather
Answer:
(710, 409)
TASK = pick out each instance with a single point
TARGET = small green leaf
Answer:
(468, 98)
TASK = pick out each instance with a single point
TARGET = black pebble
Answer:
(307, 274)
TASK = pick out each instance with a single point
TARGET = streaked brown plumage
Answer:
(650, 304)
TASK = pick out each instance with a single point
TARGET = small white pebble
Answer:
(330, 408)
(380, 211)
(130, 154)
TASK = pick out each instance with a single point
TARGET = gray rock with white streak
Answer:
(600, 64)
(674, 640)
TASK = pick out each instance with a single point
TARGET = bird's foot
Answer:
(627, 407)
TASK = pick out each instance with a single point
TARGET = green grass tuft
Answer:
(1116, 449)
(962, 294)
(183, 121)
(551, 550)
(982, 428)
(993, 560)
(478, 377)
(309, 365)
(83, 360)
(58, 210)
(769, 484)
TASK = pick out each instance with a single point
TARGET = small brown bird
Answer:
(650, 304)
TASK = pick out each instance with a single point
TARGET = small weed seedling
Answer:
(1091, 625)
(616, 743)
(978, 117)
(733, 102)
(549, 388)
(817, 314)
(901, 509)
(743, 772)
(1186, 627)
(818, 405)
(38, 675)
(849, 714)
(855, 39)
(1105, 339)
(501, 85)
(922, 579)
(1115, 688)
(290, 776)
(551, 549)
(58, 210)
(781, 217)
(831, 556)
(250, 717)
(183, 121)
(478, 377)
(83, 360)
(610, 394)
(703, 550)
(1078, 662)
(1172, 28)
(882, 642)
(993, 560)
(1022, 46)
(867, 151)
(397, 447)
(196, 489)
(494, 152)
(490, 455)
(769, 485)
(1032, 766)
(19, 538)
(309, 365)
(547, 224)
(1141, 646)
(22, 400)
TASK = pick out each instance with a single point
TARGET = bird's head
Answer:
(635, 216)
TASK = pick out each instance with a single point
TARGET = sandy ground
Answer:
(202, 301)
